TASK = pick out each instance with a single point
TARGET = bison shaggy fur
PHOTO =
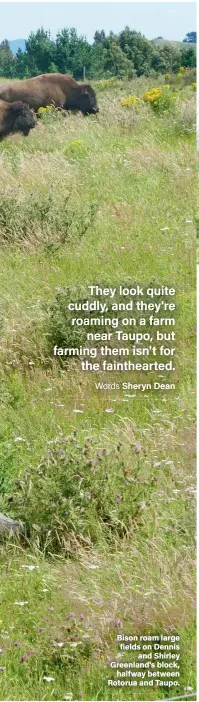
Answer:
(15, 117)
(56, 89)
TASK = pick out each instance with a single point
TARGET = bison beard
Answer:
(51, 89)
(15, 117)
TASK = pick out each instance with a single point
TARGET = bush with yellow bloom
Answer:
(43, 110)
(131, 101)
(160, 98)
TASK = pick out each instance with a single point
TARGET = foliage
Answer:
(191, 38)
(76, 149)
(107, 83)
(184, 76)
(40, 50)
(160, 99)
(43, 216)
(50, 114)
(131, 101)
(6, 60)
(127, 54)
(83, 491)
(188, 57)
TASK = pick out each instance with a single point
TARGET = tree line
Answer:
(127, 54)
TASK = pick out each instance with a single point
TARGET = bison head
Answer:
(88, 100)
(82, 98)
(23, 118)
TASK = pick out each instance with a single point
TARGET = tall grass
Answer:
(103, 482)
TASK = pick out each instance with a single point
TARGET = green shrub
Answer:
(80, 491)
(107, 83)
(182, 78)
(76, 149)
(48, 218)
(160, 98)
(50, 114)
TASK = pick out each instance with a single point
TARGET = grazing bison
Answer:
(15, 117)
(51, 88)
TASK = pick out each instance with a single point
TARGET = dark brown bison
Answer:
(15, 117)
(51, 89)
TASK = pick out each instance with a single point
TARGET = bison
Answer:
(51, 89)
(15, 117)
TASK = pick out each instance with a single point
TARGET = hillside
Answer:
(176, 44)
(16, 44)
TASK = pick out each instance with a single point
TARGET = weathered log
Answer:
(8, 525)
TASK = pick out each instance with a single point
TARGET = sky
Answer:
(171, 20)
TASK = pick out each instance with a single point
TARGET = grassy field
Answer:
(177, 44)
(84, 200)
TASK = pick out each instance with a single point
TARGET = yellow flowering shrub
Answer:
(43, 110)
(131, 101)
(49, 114)
(153, 95)
(160, 98)
(194, 86)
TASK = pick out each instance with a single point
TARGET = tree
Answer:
(137, 49)
(21, 69)
(169, 58)
(99, 37)
(191, 38)
(188, 57)
(117, 64)
(62, 51)
(98, 60)
(40, 50)
(128, 53)
(6, 60)
(72, 53)
(159, 63)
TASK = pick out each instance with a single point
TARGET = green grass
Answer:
(84, 200)
(177, 44)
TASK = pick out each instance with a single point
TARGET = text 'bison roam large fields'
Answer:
(124, 329)
(156, 662)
